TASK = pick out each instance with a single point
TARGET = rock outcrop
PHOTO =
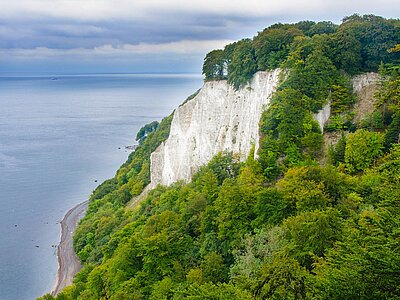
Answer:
(364, 86)
(218, 118)
(360, 82)
(323, 115)
(221, 118)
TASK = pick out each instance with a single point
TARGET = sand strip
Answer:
(68, 261)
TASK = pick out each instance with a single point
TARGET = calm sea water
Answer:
(57, 136)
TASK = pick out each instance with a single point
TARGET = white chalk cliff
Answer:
(323, 115)
(362, 81)
(364, 86)
(218, 118)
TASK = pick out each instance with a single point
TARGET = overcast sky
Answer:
(64, 36)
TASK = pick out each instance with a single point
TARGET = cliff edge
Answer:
(218, 118)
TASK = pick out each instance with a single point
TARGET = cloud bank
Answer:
(96, 10)
(179, 47)
(89, 30)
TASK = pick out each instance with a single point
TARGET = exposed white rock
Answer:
(323, 115)
(217, 119)
(364, 80)
(364, 86)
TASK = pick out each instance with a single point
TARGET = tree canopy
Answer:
(357, 45)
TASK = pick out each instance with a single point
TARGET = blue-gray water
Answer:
(57, 136)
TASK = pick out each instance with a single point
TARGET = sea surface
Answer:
(58, 135)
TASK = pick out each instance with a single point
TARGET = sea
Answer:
(61, 136)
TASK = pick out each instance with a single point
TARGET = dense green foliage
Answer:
(106, 210)
(291, 224)
(145, 130)
(359, 44)
(242, 64)
(214, 64)
(272, 46)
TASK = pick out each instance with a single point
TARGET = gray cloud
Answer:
(125, 50)
(89, 29)
(144, 9)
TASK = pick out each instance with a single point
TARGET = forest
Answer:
(302, 221)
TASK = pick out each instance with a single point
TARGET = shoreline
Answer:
(68, 262)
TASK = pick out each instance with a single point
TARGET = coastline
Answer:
(68, 261)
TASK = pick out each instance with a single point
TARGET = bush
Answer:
(362, 148)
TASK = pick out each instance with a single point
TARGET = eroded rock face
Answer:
(217, 119)
(364, 86)
(362, 81)
(323, 115)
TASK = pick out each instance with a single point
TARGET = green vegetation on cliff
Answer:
(299, 222)
(359, 44)
(106, 212)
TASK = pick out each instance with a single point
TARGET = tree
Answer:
(378, 36)
(213, 67)
(392, 134)
(362, 43)
(366, 263)
(145, 130)
(283, 278)
(347, 52)
(272, 46)
(304, 26)
(318, 78)
(312, 234)
(323, 27)
(395, 49)
(336, 152)
(210, 291)
(224, 165)
(256, 250)
(362, 147)
(270, 208)
(46, 297)
(243, 64)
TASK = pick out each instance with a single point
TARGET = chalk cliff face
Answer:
(323, 115)
(362, 81)
(364, 86)
(218, 118)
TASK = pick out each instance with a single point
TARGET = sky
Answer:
(144, 36)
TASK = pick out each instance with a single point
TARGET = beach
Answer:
(68, 261)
